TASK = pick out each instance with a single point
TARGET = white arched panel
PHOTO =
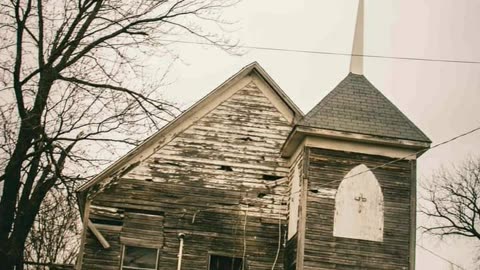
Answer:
(359, 206)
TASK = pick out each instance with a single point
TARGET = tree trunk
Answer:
(12, 250)
(11, 255)
(12, 182)
(16, 220)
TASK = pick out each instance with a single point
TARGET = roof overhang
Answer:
(300, 133)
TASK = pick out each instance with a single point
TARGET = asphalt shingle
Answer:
(356, 106)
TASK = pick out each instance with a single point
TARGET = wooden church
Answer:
(244, 180)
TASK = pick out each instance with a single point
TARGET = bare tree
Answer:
(452, 201)
(54, 237)
(70, 78)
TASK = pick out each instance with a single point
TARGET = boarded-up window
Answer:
(142, 230)
(294, 203)
(359, 206)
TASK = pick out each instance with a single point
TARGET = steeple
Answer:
(356, 64)
(357, 107)
(336, 198)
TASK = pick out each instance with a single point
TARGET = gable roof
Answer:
(356, 106)
(250, 72)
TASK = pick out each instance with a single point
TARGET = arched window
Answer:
(359, 206)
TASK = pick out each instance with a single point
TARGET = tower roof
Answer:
(356, 106)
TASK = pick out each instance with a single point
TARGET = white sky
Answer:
(443, 99)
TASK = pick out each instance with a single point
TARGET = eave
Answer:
(299, 133)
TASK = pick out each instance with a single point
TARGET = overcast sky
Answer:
(443, 99)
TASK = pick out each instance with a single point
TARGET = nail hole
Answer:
(226, 168)
(173, 164)
(261, 195)
(271, 177)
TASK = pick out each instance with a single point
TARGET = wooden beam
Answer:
(98, 235)
(413, 213)
(85, 214)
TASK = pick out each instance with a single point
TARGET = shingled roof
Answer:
(356, 106)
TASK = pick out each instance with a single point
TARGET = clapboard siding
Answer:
(324, 251)
(292, 244)
(96, 257)
(221, 181)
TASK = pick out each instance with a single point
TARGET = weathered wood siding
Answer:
(222, 182)
(95, 256)
(324, 251)
(293, 215)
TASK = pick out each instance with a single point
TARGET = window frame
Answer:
(221, 254)
(122, 267)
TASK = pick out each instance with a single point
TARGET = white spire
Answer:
(356, 64)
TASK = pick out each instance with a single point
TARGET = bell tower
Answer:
(353, 178)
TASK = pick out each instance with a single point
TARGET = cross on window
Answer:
(360, 199)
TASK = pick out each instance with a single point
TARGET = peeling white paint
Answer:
(104, 208)
(328, 193)
(294, 203)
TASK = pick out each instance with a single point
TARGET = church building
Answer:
(243, 180)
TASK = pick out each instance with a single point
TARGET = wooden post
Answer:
(86, 212)
(413, 213)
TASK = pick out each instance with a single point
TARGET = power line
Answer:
(410, 155)
(443, 258)
(402, 158)
(418, 152)
(322, 52)
(407, 156)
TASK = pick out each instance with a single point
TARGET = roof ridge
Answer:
(412, 125)
(323, 101)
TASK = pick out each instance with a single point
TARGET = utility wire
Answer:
(407, 156)
(244, 239)
(437, 255)
(279, 242)
(321, 52)
(400, 159)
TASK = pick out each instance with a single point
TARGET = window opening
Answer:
(218, 262)
(140, 258)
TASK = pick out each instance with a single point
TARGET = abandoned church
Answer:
(244, 180)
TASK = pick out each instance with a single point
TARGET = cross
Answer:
(360, 199)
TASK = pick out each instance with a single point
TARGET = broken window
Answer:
(140, 258)
(218, 262)
(359, 206)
